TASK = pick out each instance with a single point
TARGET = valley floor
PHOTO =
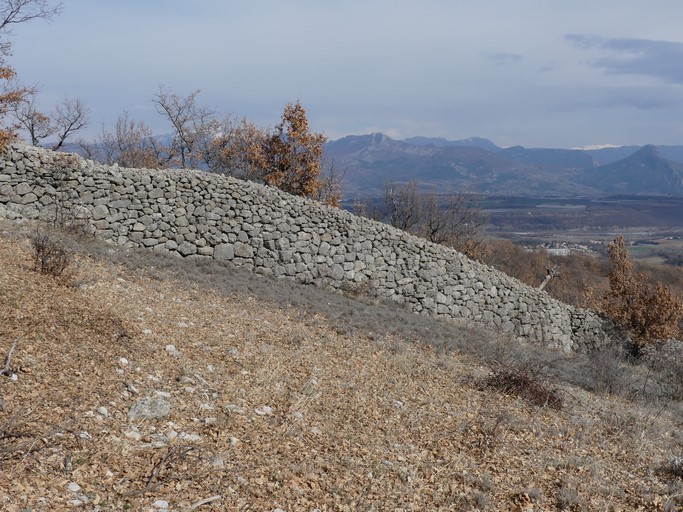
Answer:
(285, 407)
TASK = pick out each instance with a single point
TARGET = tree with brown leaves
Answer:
(291, 157)
(649, 313)
(229, 151)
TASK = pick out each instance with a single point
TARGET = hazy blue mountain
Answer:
(558, 159)
(372, 161)
(644, 172)
(476, 142)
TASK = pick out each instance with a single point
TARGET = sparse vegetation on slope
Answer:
(295, 400)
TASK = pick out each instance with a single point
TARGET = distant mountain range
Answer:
(477, 164)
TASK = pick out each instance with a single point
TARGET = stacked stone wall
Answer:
(195, 214)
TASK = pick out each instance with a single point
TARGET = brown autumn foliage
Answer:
(291, 157)
(577, 280)
(9, 98)
(649, 312)
(229, 152)
(11, 94)
(132, 144)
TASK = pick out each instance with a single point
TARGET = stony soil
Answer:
(281, 407)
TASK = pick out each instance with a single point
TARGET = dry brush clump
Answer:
(50, 257)
(526, 380)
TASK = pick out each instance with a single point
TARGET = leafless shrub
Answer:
(569, 499)
(525, 380)
(608, 370)
(358, 290)
(665, 361)
(49, 256)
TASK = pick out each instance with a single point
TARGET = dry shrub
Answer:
(49, 256)
(527, 381)
(665, 361)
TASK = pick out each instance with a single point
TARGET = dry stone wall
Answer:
(196, 214)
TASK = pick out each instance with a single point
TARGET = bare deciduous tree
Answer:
(131, 144)
(64, 121)
(15, 12)
(403, 205)
(68, 117)
(38, 125)
(331, 179)
(454, 219)
(189, 120)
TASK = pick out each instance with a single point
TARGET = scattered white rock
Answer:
(189, 389)
(172, 350)
(298, 415)
(135, 436)
(109, 474)
(123, 361)
(147, 331)
(207, 407)
(160, 504)
(235, 408)
(182, 324)
(147, 408)
(189, 437)
(14, 377)
(74, 487)
(263, 411)
(103, 411)
(209, 368)
(163, 394)
(75, 503)
(234, 441)
(316, 431)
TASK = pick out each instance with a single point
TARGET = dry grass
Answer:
(281, 407)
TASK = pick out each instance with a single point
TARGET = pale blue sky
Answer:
(534, 73)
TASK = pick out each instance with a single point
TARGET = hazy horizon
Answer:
(526, 73)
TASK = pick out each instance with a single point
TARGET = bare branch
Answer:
(7, 370)
(205, 501)
(552, 271)
(403, 205)
(69, 117)
(15, 12)
(189, 121)
(37, 125)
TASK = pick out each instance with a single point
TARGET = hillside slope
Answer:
(273, 406)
